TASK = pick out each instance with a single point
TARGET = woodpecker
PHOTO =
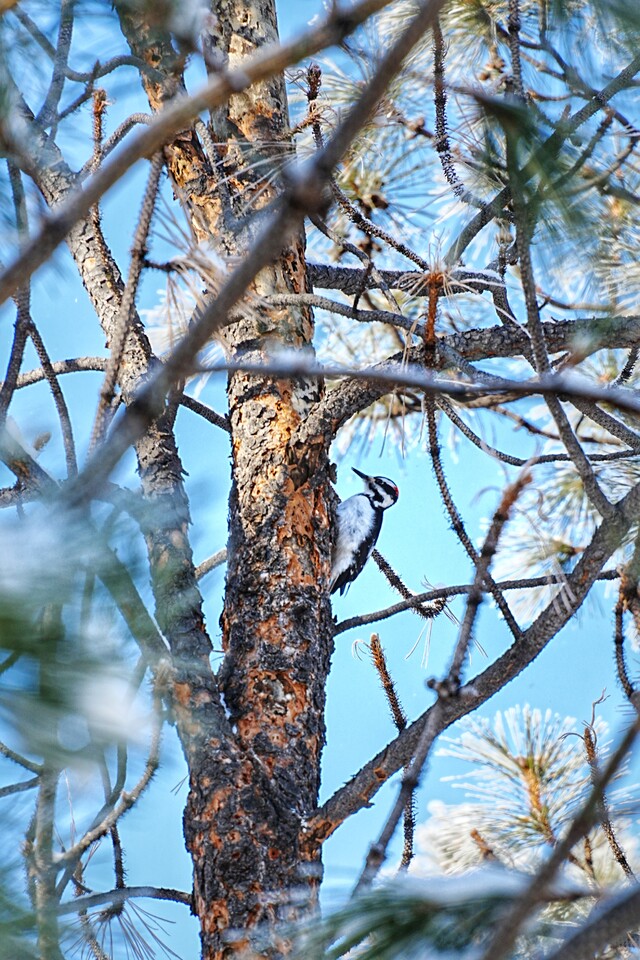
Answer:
(359, 523)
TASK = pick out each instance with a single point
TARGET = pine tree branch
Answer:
(544, 154)
(400, 720)
(216, 560)
(604, 816)
(352, 280)
(454, 591)
(403, 369)
(21, 787)
(607, 926)
(359, 790)
(177, 116)
(507, 931)
(121, 895)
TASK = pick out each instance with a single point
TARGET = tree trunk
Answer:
(249, 865)
(249, 798)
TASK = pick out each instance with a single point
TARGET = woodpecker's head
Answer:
(381, 491)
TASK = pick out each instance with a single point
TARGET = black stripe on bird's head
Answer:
(381, 491)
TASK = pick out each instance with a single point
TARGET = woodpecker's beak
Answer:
(362, 476)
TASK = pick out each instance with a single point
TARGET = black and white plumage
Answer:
(359, 522)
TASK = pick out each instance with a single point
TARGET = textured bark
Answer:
(249, 799)
(276, 620)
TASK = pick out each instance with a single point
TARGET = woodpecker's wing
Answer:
(347, 576)
(360, 552)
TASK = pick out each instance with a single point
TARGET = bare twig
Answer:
(458, 525)
(400, 721)
(45, 891)
(99, 69)
(58, 397)
(441, 140)
(514, 45)
(621, 666)
(211, 563)
(22, 298)
(485, 558)
(426, 612)
(122, 323)
(121, 895)
(347, 310)
(615, 427)
(217, 419)
(352, 280)
(47, 115)
(410, 782)
(373, 230)
(20, 336)
(527, 583)
(19, 787)
(60, 367)
(10, 754)
(605, 819)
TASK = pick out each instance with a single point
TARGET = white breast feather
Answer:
(355, 519)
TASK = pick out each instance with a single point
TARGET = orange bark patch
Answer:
(182, 693)
(318, 831)
(293, 265)
(215, 840)
(296, 536)
(215, 917)
(277, 701)
(270, 631)
(217, 801)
